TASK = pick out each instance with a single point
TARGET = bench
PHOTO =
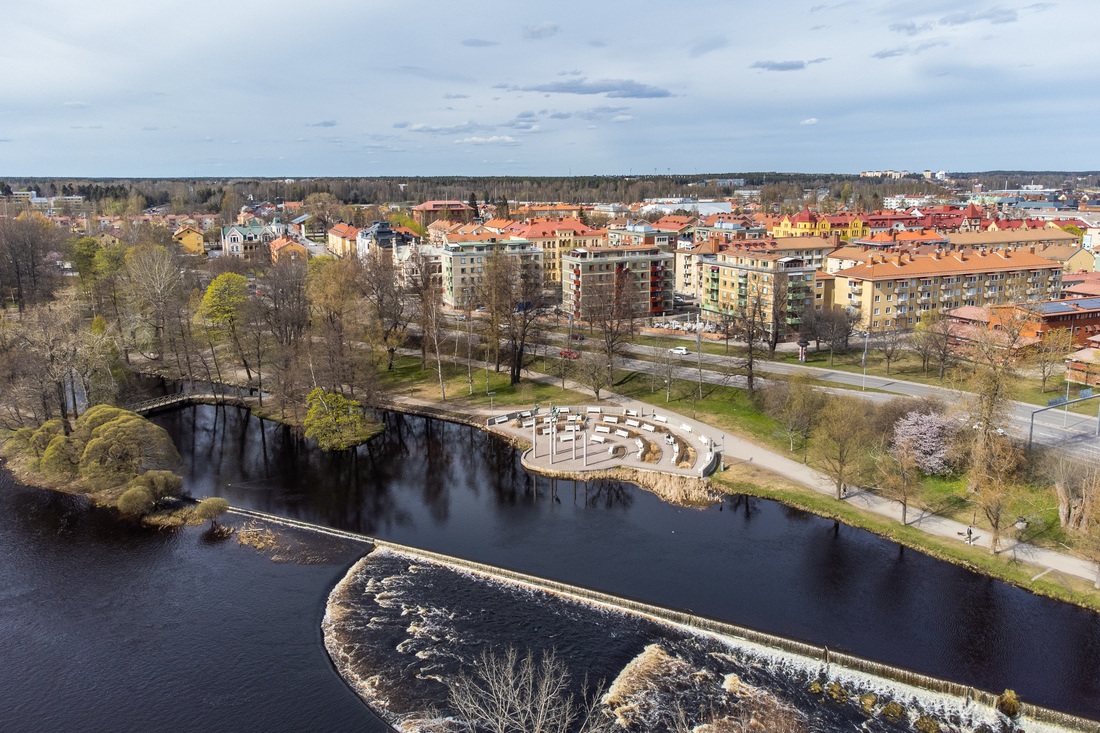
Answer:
(640, 443)
(632, 422)
(632, 413)
(703, 440)
(525, 413)
(566, 437)
(611, 419)
(574, 418)
(502, 418)
(594, 410)
(646, 426)
(603, 429)
(529, 423)
(547, 419)
(675, 449)
(685, 427)
(610, 450)
(598, 439)
(660, 418)
(572, 428)
(622, 433)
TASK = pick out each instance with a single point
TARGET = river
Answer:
(756, 563)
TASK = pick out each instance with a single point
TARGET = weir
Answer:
(828, 658)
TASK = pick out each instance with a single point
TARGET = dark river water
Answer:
(453, 489)
(111, 627)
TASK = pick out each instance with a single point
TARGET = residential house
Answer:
(285, 248)
(190, 240)
(639, 234)
(342, 239)
(778, 285)
(430, 211)
(246, 240)
(463, 261)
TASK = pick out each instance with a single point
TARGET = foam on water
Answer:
(398, 627)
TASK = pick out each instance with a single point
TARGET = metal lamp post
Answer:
(490, 402)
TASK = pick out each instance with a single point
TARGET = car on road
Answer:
(569, 354)
(679, 351)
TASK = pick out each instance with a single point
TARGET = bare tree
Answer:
(888, 342)
(992, 481)
(385, 299)
(840, 439)
(594, 372)
(613, 306)
(509, 693)
(795, 405)
(1048, 356)
(932, 340)
(899, 477)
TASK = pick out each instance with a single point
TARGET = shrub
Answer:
(1008, 703)
(160, 484)
(42, 437)
(123, 447)
(211, 508)
(20, 440)
(61, 456)
(135, 501)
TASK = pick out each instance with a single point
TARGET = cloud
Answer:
(493, 140)
(996, 15)
(909, 27)
(1039, 7)
(546, 29)
(622, 118)
(323, 123)
(478, 43)
(612, 88)
(456, 96)
(6, 140)
(572, 72)
(787, 65)
(598, 113)
(809, 121)
(907, 50)
(705, 46)
(421, 127)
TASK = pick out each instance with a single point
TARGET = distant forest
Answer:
(784, 190)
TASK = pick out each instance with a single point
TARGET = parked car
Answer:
(679, 351)
(569, 354)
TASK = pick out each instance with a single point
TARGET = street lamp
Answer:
(866, 334)
(490, 402)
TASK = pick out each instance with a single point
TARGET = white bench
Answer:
(529, 423)
(572, 428)
(525, 413)
(598, 439)
(611, 419)
(547, 419)
(647, 426)
(610, 450)
(574, 418)
(660, 418)
(685, 427)
(603, 429)
(632, 413)
(594, 410)
(675, 448)
(703, 440)
(502, 418)
(564, 409)
(632, 422)
(566, 437)
(622, 433)
(639, 443)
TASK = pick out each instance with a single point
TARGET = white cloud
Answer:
(809, 121)
(493, 140)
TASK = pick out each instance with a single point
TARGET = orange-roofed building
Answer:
(430, 211)
(892, 291)
(288, 249)
(341, 239)
(556, 237)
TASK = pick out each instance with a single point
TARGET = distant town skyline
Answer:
(375, 87)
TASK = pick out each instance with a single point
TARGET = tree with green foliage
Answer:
(210, 509)
(334, 421)
(120, 448)
(223, 306)
(840, 439)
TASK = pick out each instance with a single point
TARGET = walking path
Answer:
(732, 449)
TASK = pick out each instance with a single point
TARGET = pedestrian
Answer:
(969, 534)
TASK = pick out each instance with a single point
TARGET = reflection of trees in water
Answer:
(978, 634)
(607, 494)
(743, 504)
(438, 450)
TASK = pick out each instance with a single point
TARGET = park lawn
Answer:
(408, 379)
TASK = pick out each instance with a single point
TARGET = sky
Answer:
(182, 88)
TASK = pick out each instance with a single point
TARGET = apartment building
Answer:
(892, 291)
(463, 261)
(781, 285)
(593, 274)
(342, 239)
(555, 237)
(639, 233)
